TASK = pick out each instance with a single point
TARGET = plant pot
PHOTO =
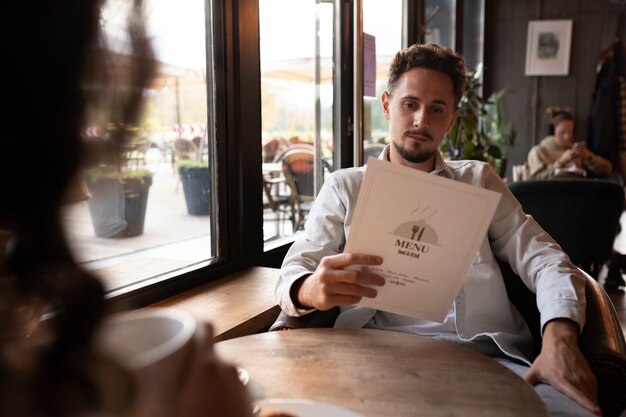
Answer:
(136, 192)
(196, 187)
(118, 207)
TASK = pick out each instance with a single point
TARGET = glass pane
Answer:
(473, 32)
(388, 40)
(296, 109)
(440, 22)
(133, 231)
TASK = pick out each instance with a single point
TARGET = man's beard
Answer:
(416, 156)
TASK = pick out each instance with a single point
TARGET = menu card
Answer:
(426, 228)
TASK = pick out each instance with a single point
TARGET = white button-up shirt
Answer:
(482, 308)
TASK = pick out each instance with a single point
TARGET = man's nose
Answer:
(420, 119)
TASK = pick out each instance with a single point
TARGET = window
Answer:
(377, 16)
(155, 220)
(441, 22)
(297, 101)
(233, 76)
(296, 108)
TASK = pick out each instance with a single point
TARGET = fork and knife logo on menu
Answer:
(415, 238)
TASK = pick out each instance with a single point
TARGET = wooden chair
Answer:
(601, 342)
(278, 203)
(184, 149)
(298, 170)
(372, 149)
(582, 215)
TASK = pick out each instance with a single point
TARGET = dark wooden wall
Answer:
(595, 22)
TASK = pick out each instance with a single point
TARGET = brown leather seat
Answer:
(601, 342)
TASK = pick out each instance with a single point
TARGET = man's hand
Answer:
(331, 285)
(562, 365)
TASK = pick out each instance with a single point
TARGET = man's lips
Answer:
(419, 135)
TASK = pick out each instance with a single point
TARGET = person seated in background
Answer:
(296, 140)
(53, 367)
(273, 147)
(559, 155)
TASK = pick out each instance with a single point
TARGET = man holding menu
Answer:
(425, 85)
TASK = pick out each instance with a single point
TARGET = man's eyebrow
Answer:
(436, 101)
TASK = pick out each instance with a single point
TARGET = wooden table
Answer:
(381, 373)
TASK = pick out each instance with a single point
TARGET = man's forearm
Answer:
(561, 330)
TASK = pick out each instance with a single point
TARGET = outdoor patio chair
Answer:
(184, 149)
(298, 169)
(373, 150)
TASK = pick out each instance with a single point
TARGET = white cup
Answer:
(153, 344)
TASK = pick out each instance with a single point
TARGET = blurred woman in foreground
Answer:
(56, 78)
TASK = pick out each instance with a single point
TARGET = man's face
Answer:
(420, 111)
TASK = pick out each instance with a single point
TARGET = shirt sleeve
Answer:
(324, 235)
(538, 167)
(538, 260)
(598, 165)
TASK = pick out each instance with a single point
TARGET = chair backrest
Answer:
(582, 215)
(185, 149)
(298, 169)
(372, 149)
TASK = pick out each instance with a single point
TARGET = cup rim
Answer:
(161, 351)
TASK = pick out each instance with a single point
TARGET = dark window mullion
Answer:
(413, 22)
(245, 146)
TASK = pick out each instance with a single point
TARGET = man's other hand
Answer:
(332, 285)
(562, 365)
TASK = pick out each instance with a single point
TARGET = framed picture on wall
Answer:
(548, 47)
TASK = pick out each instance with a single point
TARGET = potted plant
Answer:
(479, 132)
(196, 179)
(118, 200)
(500, 132)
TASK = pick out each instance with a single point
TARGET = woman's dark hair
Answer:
(430, 56)
(557, 115)
(57, 71)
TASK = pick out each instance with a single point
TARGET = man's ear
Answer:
(454, 116)
(384, 98)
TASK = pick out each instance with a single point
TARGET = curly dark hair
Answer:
(433, 57)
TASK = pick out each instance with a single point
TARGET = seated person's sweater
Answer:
(543, 161)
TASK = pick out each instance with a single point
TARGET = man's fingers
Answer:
(580, 397)
(531, 377)
(334, 284)
(571, 391)
(355, 277)
(346, 259)
(353, 290)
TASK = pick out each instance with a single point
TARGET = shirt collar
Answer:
(441, 168)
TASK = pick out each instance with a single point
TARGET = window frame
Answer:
(237, 226)
(236, 104)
